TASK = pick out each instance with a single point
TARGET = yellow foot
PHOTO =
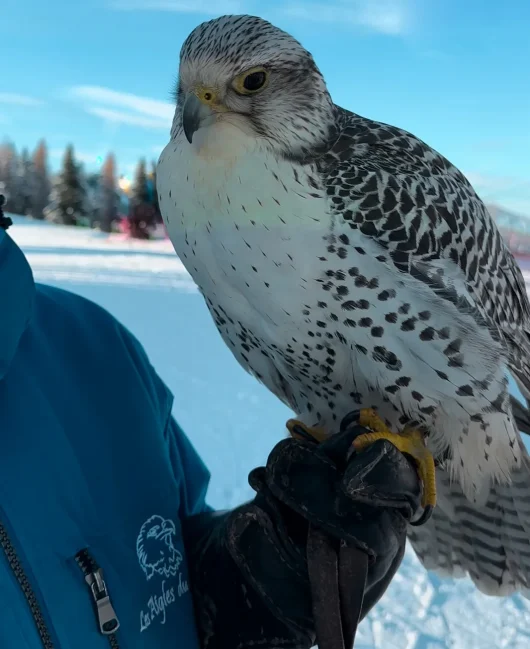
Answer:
(410, 442)
(300, 431)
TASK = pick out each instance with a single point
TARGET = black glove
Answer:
(5, 221)
(248, 567)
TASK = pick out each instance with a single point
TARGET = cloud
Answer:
(121, 117)
(496, 184)
(19, 100)
(512, 192)
(521, 207)
(152, 107)
(505, 144)
(491, 182)
(390, 17)
(204, 7)
(124, 108)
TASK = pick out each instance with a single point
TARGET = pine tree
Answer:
(139, 190)
(108, 195)
(154, 198)
(4, 157)
(10, 180)
(142, 214)
(5, 166)
(68, 201)
(90, 184)
(41, 185)
(27, 184)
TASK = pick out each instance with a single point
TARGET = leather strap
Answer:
(337, 575)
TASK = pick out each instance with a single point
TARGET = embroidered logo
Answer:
(156, 549)
(158, 556)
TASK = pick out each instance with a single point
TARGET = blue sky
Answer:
(99, 73)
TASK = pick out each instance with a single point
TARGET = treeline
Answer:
(73, 197)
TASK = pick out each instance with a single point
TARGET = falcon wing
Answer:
(398, 191)
(394, 188)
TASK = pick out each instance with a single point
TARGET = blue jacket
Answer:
(95, 479)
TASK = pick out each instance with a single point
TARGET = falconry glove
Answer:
(5, 221)
(249, 567)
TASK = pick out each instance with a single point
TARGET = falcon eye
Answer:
(251, 81)
(254, 81)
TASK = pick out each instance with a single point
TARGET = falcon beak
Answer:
(198, 107)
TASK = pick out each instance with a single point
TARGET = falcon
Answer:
(348, 265)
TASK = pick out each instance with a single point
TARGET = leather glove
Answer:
(248, 567)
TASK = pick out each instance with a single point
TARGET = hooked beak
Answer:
(194, 113)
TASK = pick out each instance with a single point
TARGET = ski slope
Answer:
(233, 421)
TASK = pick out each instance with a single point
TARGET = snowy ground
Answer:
(234, 422)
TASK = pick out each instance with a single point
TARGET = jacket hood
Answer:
(17, 296)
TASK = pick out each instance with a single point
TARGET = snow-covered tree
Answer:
(6, 155)
(27, 182)
(50, 210)
(108, 197)
(90, 184)
(41, 185)
(68, 203)
(10, 179)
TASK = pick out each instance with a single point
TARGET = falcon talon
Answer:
(352, 417)
(410, 442)
(425, 516)
(299, 430)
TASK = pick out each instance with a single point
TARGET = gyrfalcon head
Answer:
(243, 79)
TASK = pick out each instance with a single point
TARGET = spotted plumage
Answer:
(345, 262)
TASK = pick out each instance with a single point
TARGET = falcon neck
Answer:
(252, 188)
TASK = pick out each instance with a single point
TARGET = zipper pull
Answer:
(107, 618)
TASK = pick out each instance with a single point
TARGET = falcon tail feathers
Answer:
(490, 543)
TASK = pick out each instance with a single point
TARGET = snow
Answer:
(234, 422)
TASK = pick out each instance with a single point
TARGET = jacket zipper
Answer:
(25, 586)
(107, 618)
